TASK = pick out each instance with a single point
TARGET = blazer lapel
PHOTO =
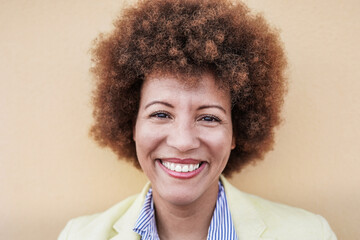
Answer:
(124, 226)
(248, 224)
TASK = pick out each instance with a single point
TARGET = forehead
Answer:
(202, 88)
(198, 82)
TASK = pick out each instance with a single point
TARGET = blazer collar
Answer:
(127, 222)
(247, 221)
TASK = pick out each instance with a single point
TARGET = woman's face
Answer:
(183, 137)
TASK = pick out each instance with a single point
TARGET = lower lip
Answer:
(182, 175)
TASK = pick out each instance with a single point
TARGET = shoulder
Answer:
(284, 220)
(275, 220)
(115, 223)
(100, 224)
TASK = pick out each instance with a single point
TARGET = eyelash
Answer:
(210, 117)
(157, 114)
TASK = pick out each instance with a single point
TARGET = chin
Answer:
(180, 198)
(182, 193)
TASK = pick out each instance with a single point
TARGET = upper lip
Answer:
(181, 160)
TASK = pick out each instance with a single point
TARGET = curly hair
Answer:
(188, 37)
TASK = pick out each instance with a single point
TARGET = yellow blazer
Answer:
(254, 219)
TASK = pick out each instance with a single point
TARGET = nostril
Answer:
(183, 143)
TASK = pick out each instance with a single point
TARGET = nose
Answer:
(183, 137)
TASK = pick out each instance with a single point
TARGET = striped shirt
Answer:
(221, 226)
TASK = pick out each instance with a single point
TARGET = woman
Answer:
(190, 91)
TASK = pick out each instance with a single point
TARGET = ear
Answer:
(233, 142)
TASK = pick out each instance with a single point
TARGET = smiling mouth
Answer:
(177, 167)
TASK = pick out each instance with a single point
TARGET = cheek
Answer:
(219, 143)
(146, 140)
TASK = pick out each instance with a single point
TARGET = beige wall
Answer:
(50, 171)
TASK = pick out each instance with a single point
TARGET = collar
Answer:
(127, 221)
(247, 221)
(221, 225)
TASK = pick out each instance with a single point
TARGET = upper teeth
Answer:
(180, 167)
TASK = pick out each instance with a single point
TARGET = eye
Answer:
(161, 115)
(209, 118)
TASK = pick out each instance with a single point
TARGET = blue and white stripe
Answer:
(146, 224)
(221, 226)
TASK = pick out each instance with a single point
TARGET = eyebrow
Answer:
(212, 106)
(199, 108)
(159, 102)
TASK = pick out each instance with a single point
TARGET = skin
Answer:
(179, 122)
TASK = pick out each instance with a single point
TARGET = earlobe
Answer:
(233, 143)
(134, 133)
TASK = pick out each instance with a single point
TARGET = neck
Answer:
(189, 221)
